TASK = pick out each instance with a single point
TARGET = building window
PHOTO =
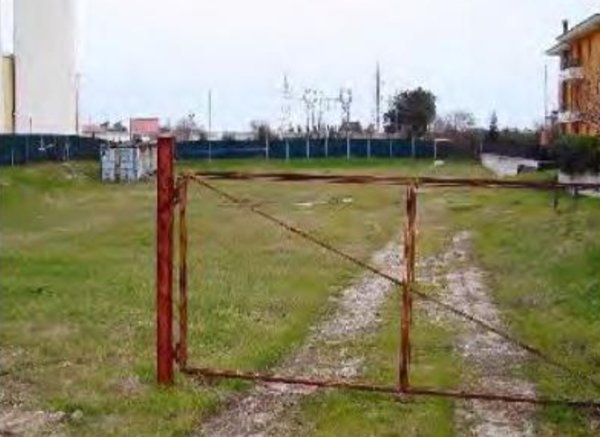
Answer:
(564, 96)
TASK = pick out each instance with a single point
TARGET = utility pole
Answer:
(378, 99)
(545, 94)
(77, 101)
(209, 112)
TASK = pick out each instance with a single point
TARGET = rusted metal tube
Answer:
(165, 190)
(182, 348)
(394, 180)
(413, 391)
(409, 277)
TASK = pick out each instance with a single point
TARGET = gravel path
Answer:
(262, 411)
(492, 359)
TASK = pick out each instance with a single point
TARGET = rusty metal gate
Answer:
(172, 197)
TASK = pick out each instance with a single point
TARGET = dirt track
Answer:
(491, 360)
(262, 411)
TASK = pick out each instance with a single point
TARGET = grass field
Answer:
(77, 268)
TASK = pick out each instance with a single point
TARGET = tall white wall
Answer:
(45, 41)
(2, 127)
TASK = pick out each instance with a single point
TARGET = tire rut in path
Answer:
(262, 411)
(492, 359)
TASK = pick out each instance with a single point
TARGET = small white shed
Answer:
(128, 162)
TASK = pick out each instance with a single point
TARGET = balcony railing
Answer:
(568, 62)
(571, 73)
(569, 116)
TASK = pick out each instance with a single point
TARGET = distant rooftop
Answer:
(582, 29)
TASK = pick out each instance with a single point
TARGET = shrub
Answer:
(578, 154)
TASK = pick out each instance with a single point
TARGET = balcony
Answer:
(571, 69)
(569, 116)
(568, 62)
(573, 73)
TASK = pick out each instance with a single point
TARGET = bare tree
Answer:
(261, 130)
(454, 122)
(186, 129)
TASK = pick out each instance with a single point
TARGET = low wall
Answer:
(586, 178)
(507, 165)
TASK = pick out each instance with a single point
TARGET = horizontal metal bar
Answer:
(394, 180)
(411, 391)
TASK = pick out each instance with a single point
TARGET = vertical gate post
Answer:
(165, 190)
(408, 282)
(182, 350)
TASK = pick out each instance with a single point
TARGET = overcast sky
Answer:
(158, 57)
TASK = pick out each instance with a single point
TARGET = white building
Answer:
(3, 128)
(45, 78)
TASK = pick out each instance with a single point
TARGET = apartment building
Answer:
(578, 49)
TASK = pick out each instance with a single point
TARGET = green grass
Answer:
(543, 266)
(77, 268)
(78, 287)
(408, 167)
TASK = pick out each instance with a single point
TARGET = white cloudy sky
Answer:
(145, 57)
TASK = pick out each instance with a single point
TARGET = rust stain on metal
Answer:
(165, 187)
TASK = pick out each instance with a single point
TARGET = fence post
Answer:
(267, 146)
(409, 277)
(12, 154)
(390, 147)
(307, 146)
(165, 190)
(348, 145)
(369, 147)
(413, 146)
(287, 149)
(182, 350)
(327, 143)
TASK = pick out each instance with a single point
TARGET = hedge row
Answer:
(578, 154)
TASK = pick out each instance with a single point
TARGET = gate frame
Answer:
(172, 192)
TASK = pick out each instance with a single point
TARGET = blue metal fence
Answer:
(294, 148)
(24, 149)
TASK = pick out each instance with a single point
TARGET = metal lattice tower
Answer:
(345, 100)
(310, 99)
(286, 105)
